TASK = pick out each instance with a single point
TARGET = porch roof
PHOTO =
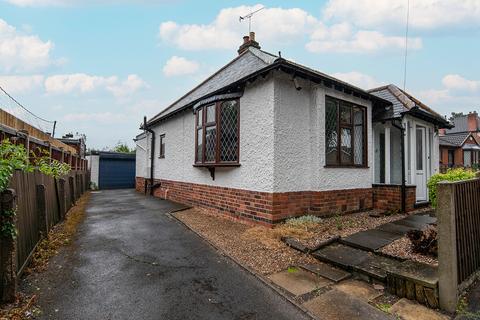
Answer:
(404, 103)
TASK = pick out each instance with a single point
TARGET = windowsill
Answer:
(345, 166)
(216, 165)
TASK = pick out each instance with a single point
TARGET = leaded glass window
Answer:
(217, 133)
(345, 133)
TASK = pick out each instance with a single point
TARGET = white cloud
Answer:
(78, 82)
(84, 83)
(280, 26)
(22, 52)
(457, 82)
(132, 84)
(358, 79)
(177, 66)
(424, 14)
(225, 32)
(340, 38)
(21, 84)
(102, 117)
(457, 94)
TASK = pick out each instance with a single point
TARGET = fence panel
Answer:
(27, 218)
(458, 216)
(467, 211)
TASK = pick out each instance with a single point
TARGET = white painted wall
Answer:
(282, 144)
(141, 162)
(93, 166)
(256, 145)
(300, 140)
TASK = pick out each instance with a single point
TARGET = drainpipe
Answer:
(152, 154)
(402, 151)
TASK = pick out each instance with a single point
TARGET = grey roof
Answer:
(454, 139)
(461, 123)
(246, 65)
(403, 102)
(250, 61)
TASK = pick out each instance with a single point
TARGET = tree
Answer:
(123, 148)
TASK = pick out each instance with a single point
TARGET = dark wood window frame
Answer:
(201, 123)
(351, 126)
(162, 146)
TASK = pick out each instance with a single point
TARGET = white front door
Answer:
(421, 164)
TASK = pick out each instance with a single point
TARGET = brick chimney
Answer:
(472, 121)
(248, 41)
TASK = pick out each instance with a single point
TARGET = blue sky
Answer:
(98, 66)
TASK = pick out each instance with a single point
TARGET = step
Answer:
(357, 260)
(370, 240)
(326, 271)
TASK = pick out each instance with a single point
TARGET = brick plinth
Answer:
(389, 197)
(262, 207)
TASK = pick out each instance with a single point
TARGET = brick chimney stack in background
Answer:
(472, 121)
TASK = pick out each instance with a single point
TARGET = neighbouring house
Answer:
(111, 170)
(265, 138)
(78, 143)
(460, 145)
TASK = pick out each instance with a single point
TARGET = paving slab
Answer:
(410, 223)
(395, 228)
(370, 240)
(298, 281)
(326, 271)
(426, 219)
(377, 266)
(410, 310)
(359, 289)
(420, 273)
(341, 255)
(338, 305)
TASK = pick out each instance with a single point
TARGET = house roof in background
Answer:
(249, 64)
(461, 123)
(454, 139)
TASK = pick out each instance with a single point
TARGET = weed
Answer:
(292, 269)
(385, 307)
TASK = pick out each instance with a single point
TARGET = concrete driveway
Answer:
(132, 261)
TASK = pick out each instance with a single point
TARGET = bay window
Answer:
(345, 133)
(217, 133)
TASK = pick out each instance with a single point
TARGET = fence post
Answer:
(61, 198)
(72, 190)
(447, 246)
(42, 210)
(8, 254)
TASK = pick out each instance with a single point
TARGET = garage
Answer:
(112, 170)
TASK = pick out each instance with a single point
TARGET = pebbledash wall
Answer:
(282, 157)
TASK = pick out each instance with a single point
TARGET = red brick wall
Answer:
(389, 197)
(262, 207)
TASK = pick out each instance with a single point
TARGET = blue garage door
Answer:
(116, 173)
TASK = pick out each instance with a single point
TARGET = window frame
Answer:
(202, 113)
(161, 150)
(339, 103)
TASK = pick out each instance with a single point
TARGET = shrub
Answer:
(457, 174)
(424, 241)
(303, 221)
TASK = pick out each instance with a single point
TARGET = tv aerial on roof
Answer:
(249, 17)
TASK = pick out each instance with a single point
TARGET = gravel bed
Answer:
(259, 248)
(343, 226)
(402, 248)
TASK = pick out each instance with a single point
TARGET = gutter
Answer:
(152, 154)
(402, 152)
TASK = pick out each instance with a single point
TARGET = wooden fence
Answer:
(41, 201)
(458, 216)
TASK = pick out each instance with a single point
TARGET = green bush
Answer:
(457, 174)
